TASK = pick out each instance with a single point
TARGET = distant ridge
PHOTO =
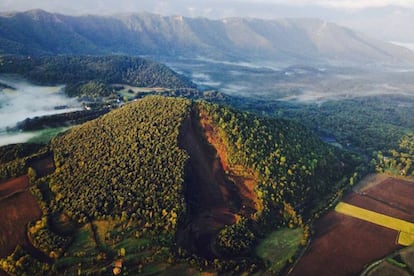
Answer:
(38, 32)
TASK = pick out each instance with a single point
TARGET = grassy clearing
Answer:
(44, 136)
(81, 252)
(130, 92)
(278, 247)
(126, 238)
(115, 240)
(373, 217)
(139, 254)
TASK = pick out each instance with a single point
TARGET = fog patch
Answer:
(409, 46)
(204, 79)
(7, 138)
(27, 100)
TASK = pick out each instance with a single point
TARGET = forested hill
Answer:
(100, 71)
(38, 32)
(165, 172)
(133, 151)
(166, 179)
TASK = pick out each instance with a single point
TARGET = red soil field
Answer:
(14, 185)
(343, 245)
(398, 194)
(16, 212)
(381, 206)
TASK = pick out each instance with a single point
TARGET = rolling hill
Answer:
(38, 32)
(90, 75)
(166, 184)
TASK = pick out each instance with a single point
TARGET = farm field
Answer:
(406, 229)
(344, 244)
(17, 208)
(399, 263)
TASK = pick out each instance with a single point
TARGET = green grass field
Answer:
(45, 135)
(130, 92)
(278, 247)
(81, 252)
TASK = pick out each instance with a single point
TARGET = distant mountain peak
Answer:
(286, 39)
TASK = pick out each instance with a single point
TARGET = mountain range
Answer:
(38, 32)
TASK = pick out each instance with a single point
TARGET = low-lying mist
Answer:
(27, 100)
(298, 83)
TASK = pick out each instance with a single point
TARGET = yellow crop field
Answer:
(405, 239)
(405, 228)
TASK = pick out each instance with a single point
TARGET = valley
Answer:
(235, 198)
(21, 99)
(300, 83)
(213, 209)
(153, 144)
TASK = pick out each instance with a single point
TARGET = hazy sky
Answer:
(212, 8)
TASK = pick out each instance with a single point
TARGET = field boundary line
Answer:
(376, 218)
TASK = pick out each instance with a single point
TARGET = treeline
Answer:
(90, 75)
(364, 124)
(63, 119)
(16, 151)
(367, 124)
(15, 159)
(298, 174)
(399, 160)
(296, 168)
(22, 263)
(126, 164)
(45, 240)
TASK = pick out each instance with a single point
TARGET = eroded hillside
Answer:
(167, 184)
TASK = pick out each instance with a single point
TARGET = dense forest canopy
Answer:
(91, 75)
(294, 165)
(127, 170)
(131, 149)
(126, 163)
(361, 124)
(398, 160)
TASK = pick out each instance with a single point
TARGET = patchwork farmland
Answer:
(404, 228)
(370, 223)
